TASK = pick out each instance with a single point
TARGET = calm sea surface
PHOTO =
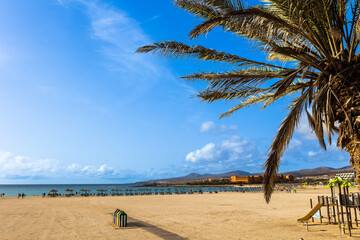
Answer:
(122, 189)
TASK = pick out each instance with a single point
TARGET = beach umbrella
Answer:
(53, 192)
(68, 191)
(346, 184)
(331, 186)
(337, 181)
(101, 191)
(114, 191)
(87, 192)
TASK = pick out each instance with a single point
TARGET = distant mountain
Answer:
(318, 171)
(346, 168)
(310, 171)
(198, 177)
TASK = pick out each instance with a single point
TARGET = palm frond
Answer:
(198, 8)
(280, 143)
(321, 41)
(180, 50)
(252, 100)
(226, 5)
(235, 78)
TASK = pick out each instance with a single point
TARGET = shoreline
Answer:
(63, 190)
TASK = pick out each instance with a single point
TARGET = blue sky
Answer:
(78, 106)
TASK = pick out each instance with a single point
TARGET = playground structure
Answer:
(340, 210)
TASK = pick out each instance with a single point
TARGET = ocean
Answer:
(12, 190)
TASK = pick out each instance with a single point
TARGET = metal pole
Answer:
(327, 208)
(319, 200)
(353, 200)
(341, 208)
(347, 213)
(333, 202)
(338, 212)
(311, 206)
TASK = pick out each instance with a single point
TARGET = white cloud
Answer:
(207, 126)
(312, 153)
(26, 167)
(206, 153)
(233, 127)
(92, 171)
(118, 36)
(124, 35)
(304, 130)
(211, 127)
(230, 154)
(74, 167)
(154, 17)
(294, 143)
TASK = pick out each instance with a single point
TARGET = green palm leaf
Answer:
(319, 38)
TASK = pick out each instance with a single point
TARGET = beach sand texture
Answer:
(206, 216)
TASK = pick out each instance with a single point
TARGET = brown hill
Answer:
(319, 171)
(199, 177)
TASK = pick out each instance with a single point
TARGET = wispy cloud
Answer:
(207, 126)
(211, 127)
(305, 151)
(154, 17)
(118, 36)
(304, 130)
(230, 154)
(121, 36)
(22, 167)
(17, 167)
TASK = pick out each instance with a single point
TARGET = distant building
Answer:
(259, 178)
(222, 179)
(209, 179)
(289, 177)
(237, 179)
(246, 179)
(350, 176)
(318, 177)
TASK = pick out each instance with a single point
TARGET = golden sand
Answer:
(206, 216)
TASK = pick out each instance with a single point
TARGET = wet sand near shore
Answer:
(195, 216)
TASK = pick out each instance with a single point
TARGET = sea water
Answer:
(126, 189)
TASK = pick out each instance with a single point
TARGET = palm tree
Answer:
(336, 181)
(331, 185)
(318, 40)
(346, 184)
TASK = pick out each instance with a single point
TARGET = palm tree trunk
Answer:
(355, 161)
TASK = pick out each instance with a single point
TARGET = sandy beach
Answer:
(207, 216)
